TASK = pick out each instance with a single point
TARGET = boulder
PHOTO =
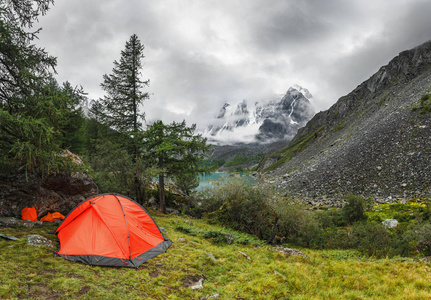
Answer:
(172, 211)
(290, 251)
(64, 192)
(153, 203)
(9, 237)
(38, 240)
(390, 223)
(245, 255)
(195, 282)
(197, 285)
(14, 222)
(55, 192)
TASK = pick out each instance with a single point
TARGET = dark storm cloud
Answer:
(200, 54)
(287, 26)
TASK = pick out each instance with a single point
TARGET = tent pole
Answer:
(127, 228)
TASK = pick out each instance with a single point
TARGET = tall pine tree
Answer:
(123, 88)
(125, 96)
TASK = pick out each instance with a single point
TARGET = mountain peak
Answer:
(302, 90)
(266, 121)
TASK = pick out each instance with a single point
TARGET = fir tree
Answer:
(175, 150)
(124, 98)
(124, 90)
(33, 108)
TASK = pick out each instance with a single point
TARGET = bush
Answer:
(340, 238)
(331, 218)
(256, 209)
(372, 239)
(421, 234)
(241, 206)
(295, 224)
(354, 209)
(311, 234)
(218, 237)
(424, 105)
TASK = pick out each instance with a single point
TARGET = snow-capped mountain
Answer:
(265, 121)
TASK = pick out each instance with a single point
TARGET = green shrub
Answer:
(340, 238)
(372, 239)
(295, 224)
(422, 236)
(404, 216)
(331, 218)
(256, 209)
(218, 237)
(376, 219)
(241, 206)
(403, 241)
(311, 234)
(354, 209)
(183, 229)
(424, 105)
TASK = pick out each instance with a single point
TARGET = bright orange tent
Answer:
(110, 230)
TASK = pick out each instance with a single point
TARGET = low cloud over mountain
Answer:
(267, 120)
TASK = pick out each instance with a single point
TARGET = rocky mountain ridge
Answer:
(372, 142)
(265, 121)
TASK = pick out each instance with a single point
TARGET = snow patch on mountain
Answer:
(276, 118)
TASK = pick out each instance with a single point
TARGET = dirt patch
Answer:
(154, 274)
(190, 280)
(39, 291)
(83, 291)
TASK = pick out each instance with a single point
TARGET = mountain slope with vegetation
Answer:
(240, 157)
(374, 141)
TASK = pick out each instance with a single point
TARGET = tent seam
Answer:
(109, 228)
(127, 228)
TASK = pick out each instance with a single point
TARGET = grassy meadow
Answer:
(28, 272)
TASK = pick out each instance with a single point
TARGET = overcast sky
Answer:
(200, 54)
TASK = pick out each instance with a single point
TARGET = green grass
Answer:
(240, 160)
(27, 272)
(339, 127)
(401, 212)
(424, 105)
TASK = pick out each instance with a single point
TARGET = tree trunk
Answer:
(162, 193)
(138, 191)
(271, 238)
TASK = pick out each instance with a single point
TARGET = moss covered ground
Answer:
(28, 272)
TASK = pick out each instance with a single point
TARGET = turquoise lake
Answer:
(210, 180)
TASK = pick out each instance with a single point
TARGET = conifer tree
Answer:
(33, 108)
(124, 91)
(124, 98)
(174, 149)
